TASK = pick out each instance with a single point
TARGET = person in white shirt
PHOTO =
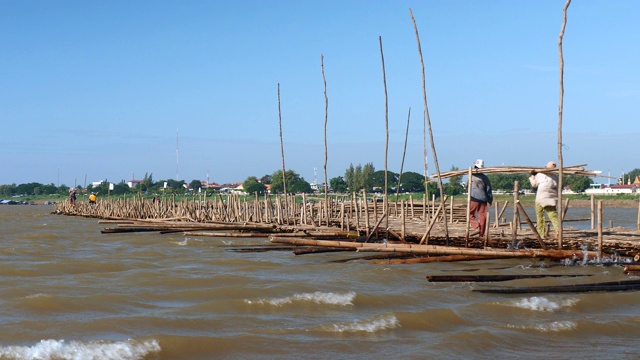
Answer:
(546, 197)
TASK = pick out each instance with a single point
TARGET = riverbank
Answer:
(578, 201)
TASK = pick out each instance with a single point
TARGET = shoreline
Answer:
(579, 203)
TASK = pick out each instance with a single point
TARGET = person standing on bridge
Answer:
(481, 195)
(546, 198)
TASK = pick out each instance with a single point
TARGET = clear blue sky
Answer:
(100, 89)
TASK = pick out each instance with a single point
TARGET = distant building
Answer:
(603, 189)
(133, 183)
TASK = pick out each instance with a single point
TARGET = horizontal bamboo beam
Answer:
(627, 285)
(438, 250)
(492, 278)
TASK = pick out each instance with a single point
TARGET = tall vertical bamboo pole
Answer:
(514, 226)
(466, 234)
(638, 222)
(600, 228)
(451, 209)
(366, 211)
(326, 117)
(428, 119)
(386, 147)
(560, 108)
(404, 152)
(593, 201)
(403, 214)
(284, 177)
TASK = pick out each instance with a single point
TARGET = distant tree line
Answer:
(146, 186)
(355, 179)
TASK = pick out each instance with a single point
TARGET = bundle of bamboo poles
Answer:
(568, 170)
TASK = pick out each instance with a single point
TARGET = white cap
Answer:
(479, 163)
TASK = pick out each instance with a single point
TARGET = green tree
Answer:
(506, 182)
(631, 175)
(195, 184)
(359, 178)
(367, 176)
(338, 185)
(266, 180)
(49, 189)
(120, 188)
(8, 190)
(412, 182)
(63, 189)
(350, 178)
(295, 183)
(176, 186)
(377, 181)
(27, 189)
(454, 185)
(252, 185)
(432, 189)
(147, 182)
(577, 183)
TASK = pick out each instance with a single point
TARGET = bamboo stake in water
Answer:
(428, 119)
(560, 109)
(600, 228)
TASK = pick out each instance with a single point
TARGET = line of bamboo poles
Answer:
(349, 213)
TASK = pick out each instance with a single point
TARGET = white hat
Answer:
(479, 163)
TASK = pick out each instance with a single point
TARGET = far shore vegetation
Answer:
(409, 185)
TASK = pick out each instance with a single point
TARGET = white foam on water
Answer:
(375, 324)
(316, 297)
(555, 326)
(186, 241)
(76, 350)
(541, 303)
(38, 295)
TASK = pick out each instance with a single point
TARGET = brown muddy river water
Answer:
(69, 292)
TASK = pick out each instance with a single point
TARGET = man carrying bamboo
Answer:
(481, 195)
(546, 197)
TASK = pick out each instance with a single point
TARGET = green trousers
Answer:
(552, 213)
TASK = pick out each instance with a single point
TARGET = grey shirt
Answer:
(481, 189)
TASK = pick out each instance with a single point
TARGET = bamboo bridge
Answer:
(405, 231)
